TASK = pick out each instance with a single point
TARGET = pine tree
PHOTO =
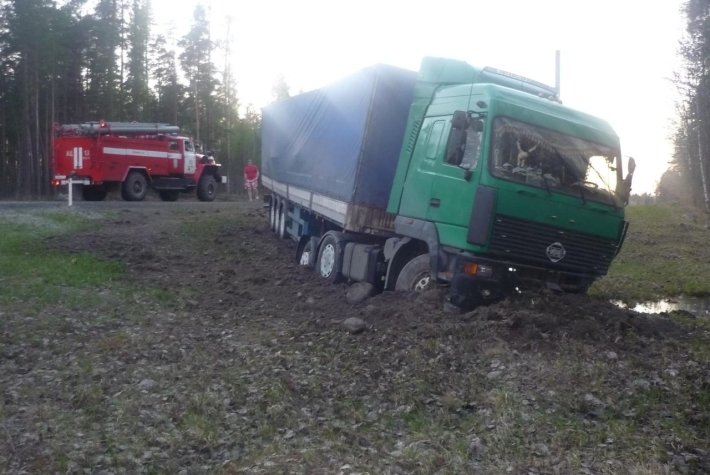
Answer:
(196, 62)
(103, 75)
(168, 90)
(138, 93)
(692, 140)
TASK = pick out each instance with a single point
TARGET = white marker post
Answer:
(71, 188)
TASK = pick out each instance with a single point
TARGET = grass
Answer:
(665, 254)
(235, 394)
(30, 272)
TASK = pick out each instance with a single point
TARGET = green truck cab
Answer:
(473, 177)
(506, 185)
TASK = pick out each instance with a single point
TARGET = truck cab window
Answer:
(188, 146)
(432, 147)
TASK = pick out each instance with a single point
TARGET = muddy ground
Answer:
(237, 361)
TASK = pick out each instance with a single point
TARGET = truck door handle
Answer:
(435, 202)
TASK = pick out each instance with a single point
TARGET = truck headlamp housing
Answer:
(478, 270)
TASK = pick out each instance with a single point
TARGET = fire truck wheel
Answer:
(169, 195)
(207, 188)
(135, 187)
(329, 263)
(415, 275)
(93, 192)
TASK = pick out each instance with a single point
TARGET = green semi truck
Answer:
(477, 178)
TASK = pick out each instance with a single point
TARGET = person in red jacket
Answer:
(251, 180)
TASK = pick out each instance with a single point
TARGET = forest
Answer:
(74, 61)
(69, 61)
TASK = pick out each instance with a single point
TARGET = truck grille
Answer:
(537, 244)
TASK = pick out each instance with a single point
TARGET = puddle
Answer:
(698, 306)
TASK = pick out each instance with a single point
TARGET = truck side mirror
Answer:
(455, 146)
(460, 120)
(632, 166)
(626, 186)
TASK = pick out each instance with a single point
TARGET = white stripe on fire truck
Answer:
(78, 157)
(139, 153)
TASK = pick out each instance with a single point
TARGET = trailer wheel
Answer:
(273, 206)
(415, 276)
(330, 259)
(169, 195)
(135, 187)
(93, 192)
(281, 227)
(207, 188)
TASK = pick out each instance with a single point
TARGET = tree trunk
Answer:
(701, 160)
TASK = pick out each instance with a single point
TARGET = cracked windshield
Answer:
(554, 161)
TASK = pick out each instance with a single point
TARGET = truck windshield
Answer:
(554, 161)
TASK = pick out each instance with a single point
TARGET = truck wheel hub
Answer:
(327, 260)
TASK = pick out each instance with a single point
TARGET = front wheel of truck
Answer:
(207, 188)
(415, 276)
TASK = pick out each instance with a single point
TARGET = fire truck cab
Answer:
(132, 157)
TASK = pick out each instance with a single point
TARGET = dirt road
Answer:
(233, 359)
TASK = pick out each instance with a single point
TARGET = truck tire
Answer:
(281, 224)
(169, 195)
(93, 192)
(415, 276)
(273, 213)
(330, 259)
(134, 187)
(207, 188)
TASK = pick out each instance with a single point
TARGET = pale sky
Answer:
(618, 56)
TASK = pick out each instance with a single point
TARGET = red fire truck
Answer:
(132, 156)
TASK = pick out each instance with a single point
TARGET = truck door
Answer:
(455, 175)
(417, 185)
(190, 160)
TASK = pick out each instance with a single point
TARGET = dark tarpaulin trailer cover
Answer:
(343, 140)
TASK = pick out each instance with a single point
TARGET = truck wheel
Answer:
(415, 276)
(93, 192)
(169, 195)
(207, 188)
(281, 226)
(135, 187)
(330, 259)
